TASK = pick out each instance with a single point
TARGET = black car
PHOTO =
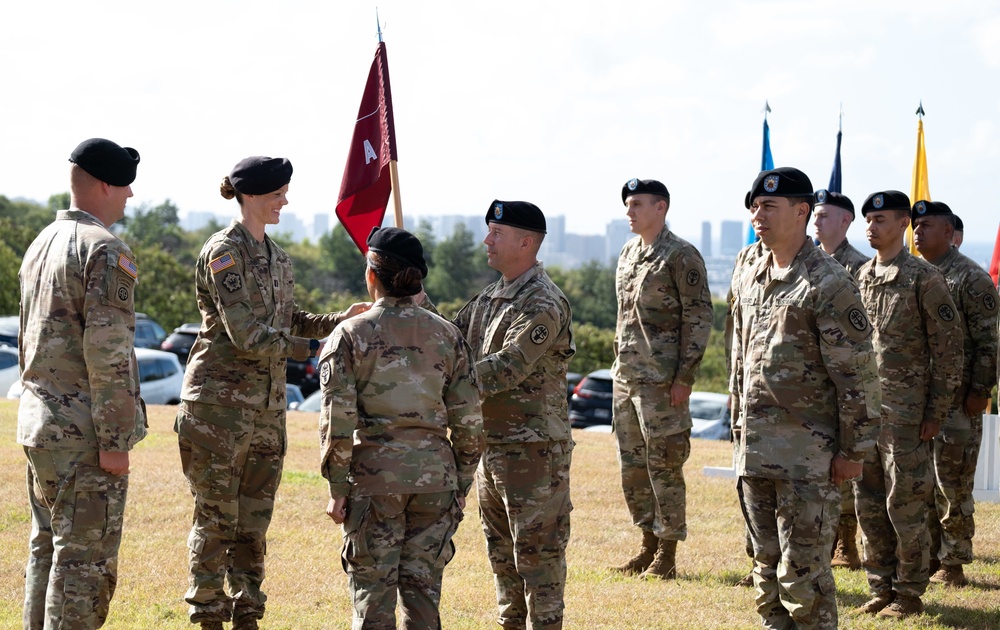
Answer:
(148, 334)
(180, 341)
(590, 403)
(9, 325)
(304, 374)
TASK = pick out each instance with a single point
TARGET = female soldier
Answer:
(231, 423)
(395, 381)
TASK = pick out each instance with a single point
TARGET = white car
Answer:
(160, 376)
(10, 373)
(710, 416)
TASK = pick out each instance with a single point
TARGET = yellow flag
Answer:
(919, 188)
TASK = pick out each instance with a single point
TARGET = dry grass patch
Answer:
(307, 588)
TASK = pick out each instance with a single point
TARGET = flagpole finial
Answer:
(920, 109)
(840, 121)
(766, 110)
(378, 25)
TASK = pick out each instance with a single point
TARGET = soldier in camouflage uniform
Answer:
(80, 413)
(920, 368)
(520, 332)
(803, 380)
(231, 422)
(664, 319)
(956, 447)
(401, 433)
(832, 217)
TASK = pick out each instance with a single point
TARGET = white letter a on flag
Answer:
(369, 153)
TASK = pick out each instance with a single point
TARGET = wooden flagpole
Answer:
(397, 203)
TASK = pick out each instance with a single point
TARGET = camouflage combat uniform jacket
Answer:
(78, 367)
(249, 323)
(976, 298)
(664, 312)
(850, 258)
(521, 337)
(396, 380)
(916, 334)
(804, 374)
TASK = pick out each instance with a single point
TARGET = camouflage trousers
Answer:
(791, 525)
(76, 528)
(952, 524)
(232, 459)
(892, 497)
(396, 547)
(651, 453)
(524, 505)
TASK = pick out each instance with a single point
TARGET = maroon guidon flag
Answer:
(364, 192)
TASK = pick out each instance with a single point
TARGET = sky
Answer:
(558, 103)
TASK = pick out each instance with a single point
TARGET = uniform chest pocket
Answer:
(892, 311)
(261, 291)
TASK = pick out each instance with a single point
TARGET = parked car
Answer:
(312, 403)
(148, 334)
(590, 403)
(180, 341)
(160, 377)
(572, 380)
(10, 372)
(9, 325)
(305, 374)
(293, 396)
(710, 416)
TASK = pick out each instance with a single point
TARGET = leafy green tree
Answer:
(10, 293)
(594, 348)
(341, 266)
(459, 268)
(590, 290)
(166, 289)
(59, 201)
(159, 225)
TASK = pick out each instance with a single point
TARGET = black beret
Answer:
(399, 244)
(644, 187)
(106, 161)
(886, 200)
(519, 214)
(924, 208)
(829, 198)
(957, 220)
(259, 175)
(780, 182)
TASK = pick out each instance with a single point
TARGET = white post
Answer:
(987, 485)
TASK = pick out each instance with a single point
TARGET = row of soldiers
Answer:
(862, 379)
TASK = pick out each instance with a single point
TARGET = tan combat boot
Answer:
(845, 554)
(664, 565)
(876, 604)
(950, 575)
(747, 580)
(641, 561)
(211, 625)
(903, 606)
(247, 622)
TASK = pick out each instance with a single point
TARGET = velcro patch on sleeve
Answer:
(224, 261)
(127, 265)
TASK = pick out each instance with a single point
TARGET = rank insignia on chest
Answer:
(233, 282)
(222, 262)
(126, 265)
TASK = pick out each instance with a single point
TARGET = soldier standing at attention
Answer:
(959, 235)
(803, 380)
(231, 422)
(80, 413)
(832, 217)
(400, 471)
(956, 448)
(920, 368)
(664, 319)
(520, 332)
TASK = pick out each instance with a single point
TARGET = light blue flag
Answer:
(766, 164)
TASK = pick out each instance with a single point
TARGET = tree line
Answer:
(329, 276)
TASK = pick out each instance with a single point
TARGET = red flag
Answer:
(995, 264)
(364, 192)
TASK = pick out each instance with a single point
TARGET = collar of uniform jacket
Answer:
(507, 290)
(764, 269)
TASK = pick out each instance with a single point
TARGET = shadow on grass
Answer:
(962, 617)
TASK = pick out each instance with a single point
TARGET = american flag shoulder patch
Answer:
(126, 265)
(222, 262)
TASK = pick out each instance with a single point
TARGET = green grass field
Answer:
(307, 588)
